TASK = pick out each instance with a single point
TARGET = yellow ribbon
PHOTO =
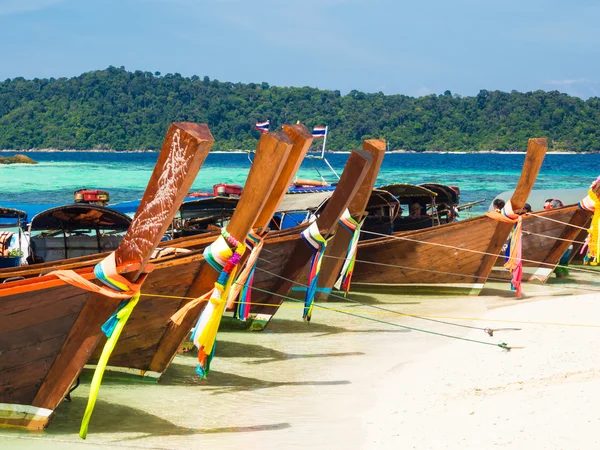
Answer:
(123, 316)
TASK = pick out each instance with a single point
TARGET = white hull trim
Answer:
(128, 371)
(470, 288)
(15, 412)
(539, 273)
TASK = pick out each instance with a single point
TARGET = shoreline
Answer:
(343, 152)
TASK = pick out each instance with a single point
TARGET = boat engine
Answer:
(91, 197)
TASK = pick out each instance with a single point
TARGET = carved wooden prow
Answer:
(184, 151)
(301, 141)
(536, 151)
(353, 180)
(338, 246)
(185, 148)
(271, 154)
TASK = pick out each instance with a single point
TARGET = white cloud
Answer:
(423, 91)
(10, 7)
(571, 82)
(579, 87)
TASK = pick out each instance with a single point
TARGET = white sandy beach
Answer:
(544, 395)
(344, 382)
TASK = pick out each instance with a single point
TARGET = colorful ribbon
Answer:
(118, 287)
(514, 263)
(312, 236)
(343, 282)
(242, 290)
(204, 334)
(592, 203)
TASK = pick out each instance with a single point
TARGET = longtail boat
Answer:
(151, 340)
(547, 235)
(49, 326)
(455, 257)
(287, 255)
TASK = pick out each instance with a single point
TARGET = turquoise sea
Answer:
(124, 175)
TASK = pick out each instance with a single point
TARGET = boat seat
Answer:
(51, 248)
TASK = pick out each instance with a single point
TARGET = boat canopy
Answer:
(380, 198)
(10, 217)
(207, 206)
(80, 217)
(445, 194)
(407, 190)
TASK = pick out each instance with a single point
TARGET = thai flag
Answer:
(263, 127)
(319, 132)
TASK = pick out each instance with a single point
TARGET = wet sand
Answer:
(345, 382)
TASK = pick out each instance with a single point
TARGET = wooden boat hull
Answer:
(161, 298)
(34, 327)
(545, 242)
(164, 289)
(451, 257)
(49, 327)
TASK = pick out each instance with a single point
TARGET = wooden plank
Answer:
(16, 378)
(185, 148)
(42, 313)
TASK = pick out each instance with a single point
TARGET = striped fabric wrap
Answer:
(343, 282)
(514, 262)
(204, 333)
(592, 203)
(242, 289)
(116, 287)
(312, 237)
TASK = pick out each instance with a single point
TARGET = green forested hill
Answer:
(117, 109)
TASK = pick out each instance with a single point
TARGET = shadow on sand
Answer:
(181, 374)
(116, 418)
(229, 349)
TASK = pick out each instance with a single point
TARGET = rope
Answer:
(503, 345)
(536, 215)
(551, 237)
(385, 311)
(373, 306)
(461, 249)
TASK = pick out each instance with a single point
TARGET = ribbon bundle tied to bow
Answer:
(514, 262)
(312, 236)
(116, 287)
(225, 260)
(243, 284)
(343, 282)
(592, 203)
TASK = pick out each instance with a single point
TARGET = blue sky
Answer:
(413, 48)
